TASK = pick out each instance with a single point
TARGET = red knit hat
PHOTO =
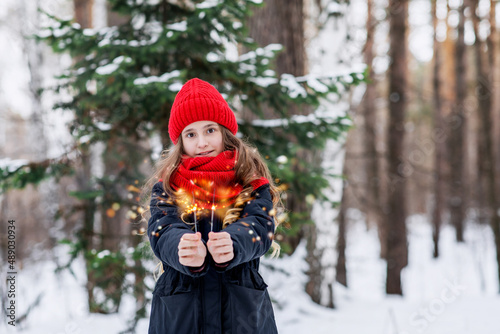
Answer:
(199, 101)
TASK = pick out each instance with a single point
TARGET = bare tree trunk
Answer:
(313, 258)
(496, 85)
(494, 155)
(488, 159)
(457, 200)
(83, 12)
(484, 102)
(374, 198)
(448, 94)
(284, 24)
(492, 42)
(113, 216)
(83, 16)
(276, 22)
(112, 219)
(341, 270)
(439, 137)
(89, 207)
(397, 249)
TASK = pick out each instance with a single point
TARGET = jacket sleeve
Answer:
(253, 233)
(165, 229)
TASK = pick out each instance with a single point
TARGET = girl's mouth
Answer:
(204, 153)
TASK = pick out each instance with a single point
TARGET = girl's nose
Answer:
(202, 142)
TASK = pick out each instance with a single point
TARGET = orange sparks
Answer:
(133, 189)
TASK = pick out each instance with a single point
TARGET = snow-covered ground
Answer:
(455, 294)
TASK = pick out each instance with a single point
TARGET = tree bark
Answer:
(494, 173)
(488, 159)
(112, 216)
(83, 16)
(341, 270)
(275, 23)
(284, 24)
(83, 12)
(397, 249)
(457, 199)
(438, 139)
(374, 198)
(313, 258)
(483, 103)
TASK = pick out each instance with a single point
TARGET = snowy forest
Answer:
(377, 118)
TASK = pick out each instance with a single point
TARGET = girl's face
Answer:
(202, 139)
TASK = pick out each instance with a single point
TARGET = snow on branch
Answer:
(113, 66)
(163, 78)
(313, 118)
(12, 165)
(208, 4)
(178, 26)
(294, 88)
(267, 52)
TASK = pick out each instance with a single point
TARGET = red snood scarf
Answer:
(209, 178)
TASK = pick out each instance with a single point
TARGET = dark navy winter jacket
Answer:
(214, 300)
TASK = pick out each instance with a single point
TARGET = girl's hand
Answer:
(220, 246)
(192, 251)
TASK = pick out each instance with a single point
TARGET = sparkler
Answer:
(213, 209)
(194, 210)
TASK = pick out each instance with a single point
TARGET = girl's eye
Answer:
(189, 135)
(211, 130)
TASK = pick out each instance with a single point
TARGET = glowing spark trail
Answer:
(194, 210)
(213, 209)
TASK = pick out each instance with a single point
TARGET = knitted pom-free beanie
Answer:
(199, 101)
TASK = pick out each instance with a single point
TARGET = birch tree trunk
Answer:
(35, 60)
(397, 249)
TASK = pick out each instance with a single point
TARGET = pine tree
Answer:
(123, 84)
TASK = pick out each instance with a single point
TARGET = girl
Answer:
(211, 220)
